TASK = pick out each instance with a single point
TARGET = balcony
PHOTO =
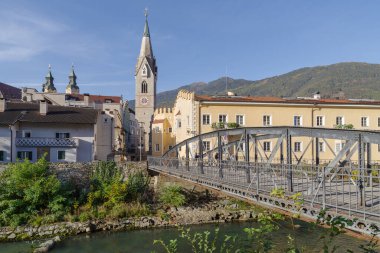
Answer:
(47, 142)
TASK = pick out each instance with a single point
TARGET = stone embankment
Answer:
(211, 213)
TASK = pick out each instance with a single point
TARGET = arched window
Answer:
(144, 87)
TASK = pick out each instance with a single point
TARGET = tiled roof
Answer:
(10, 92)
(96, 98)
(29, 112)
(248, 99)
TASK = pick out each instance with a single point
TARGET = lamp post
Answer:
(140, 136)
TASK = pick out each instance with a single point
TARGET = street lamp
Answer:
(140, 136)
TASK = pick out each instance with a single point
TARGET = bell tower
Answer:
(146, 79)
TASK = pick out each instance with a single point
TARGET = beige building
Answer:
(197, 114)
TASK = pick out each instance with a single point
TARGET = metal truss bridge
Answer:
(237, 162)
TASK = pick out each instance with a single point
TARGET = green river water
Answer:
(142, 240)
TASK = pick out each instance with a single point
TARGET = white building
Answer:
(64, 134)
(111, 138)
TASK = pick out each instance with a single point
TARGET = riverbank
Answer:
(215, 212)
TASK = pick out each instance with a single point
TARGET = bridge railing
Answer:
(350, 191)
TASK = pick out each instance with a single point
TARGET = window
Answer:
(157, 130)
(206, 119)
(170, 130)
(378, 147)
(297, 146)
(320, 120)
(61, 155)
(240, 119)
(144, 87)
(206, 146)
(179, 124)
(339, 121)
(62, 135)
(364, 122)
(297, 120)
(378, 122)
(23, 133)
(22, 155)
(170, 147)
(321, 147)
(108, 101)
(223, 118)
(157, 147)
(338, 146)
(267, 146)
(144, 71)
(267, 120)
(2, 156)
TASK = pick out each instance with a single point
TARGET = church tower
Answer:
(48, 86)
(146, 79)
(72, 87)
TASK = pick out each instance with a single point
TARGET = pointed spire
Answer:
(146, 51)
(146, 28)
(72, 87)
(48, 86)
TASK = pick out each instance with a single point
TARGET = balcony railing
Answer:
(47, 142)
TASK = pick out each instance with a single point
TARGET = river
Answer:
(142, 240)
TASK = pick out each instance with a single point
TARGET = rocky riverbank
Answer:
(216, 212)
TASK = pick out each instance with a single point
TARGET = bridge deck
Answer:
(341, 191)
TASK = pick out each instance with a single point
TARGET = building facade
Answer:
(197, 114)
(146, 79)
(111, 138)
(31, 130)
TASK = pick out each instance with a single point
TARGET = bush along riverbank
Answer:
(35, 204)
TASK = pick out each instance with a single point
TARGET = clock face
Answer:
(144, 100)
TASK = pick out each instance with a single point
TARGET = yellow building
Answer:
(163, 137)
(197, 114)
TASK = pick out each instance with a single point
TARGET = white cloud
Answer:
(24, 35)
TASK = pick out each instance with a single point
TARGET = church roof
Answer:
(9, 92)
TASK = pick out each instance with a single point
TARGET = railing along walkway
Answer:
(352, 192)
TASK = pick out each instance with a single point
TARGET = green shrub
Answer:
(233, 125)
(28, 190)
(137, 186)
(172, 195)
(85, 216)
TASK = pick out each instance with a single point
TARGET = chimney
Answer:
(3, 104)
(43, 107)
(317, 95)
(86, 99)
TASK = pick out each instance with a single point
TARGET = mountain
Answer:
(355, 79)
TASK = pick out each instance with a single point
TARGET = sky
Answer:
(192, 41)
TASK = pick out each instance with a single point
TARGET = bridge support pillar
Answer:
(316, 151)
(201, 170)
(361, 164)
(289, 160)
(369, 165)
(187, 156)
(248, 170)
(220, 155)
